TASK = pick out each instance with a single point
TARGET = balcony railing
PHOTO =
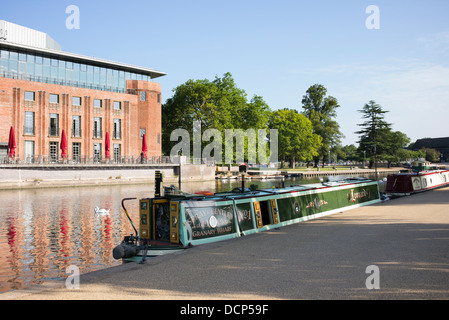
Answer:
(85, 160)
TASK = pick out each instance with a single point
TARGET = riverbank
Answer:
(45, 176)
(304, 173)
(326, 258)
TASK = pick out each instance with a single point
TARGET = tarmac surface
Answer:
(405, 239)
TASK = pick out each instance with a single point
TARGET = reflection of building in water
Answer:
(42, 232)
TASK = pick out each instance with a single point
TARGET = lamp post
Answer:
(375, 161)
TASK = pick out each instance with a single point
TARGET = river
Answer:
(44, 231)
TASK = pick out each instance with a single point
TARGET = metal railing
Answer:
(85, 160)
(56, 159)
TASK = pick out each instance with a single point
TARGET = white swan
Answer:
(102, 212)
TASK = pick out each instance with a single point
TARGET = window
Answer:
(29, 123)
(97, 103)
(143, 96)
(97, 128)
(158, 138)
(38, 70)
(158, 98)
(76, 126)
(54, 151)
(29, 96)
(117, 134)
(29, 151)
(54, 125)
(97, 152)
(13, 56)
(103, 76)
(54, 98)
(22, 67)
(46, 72)
(117, 152)
(76, 151)
(76, 101)
(117, 105)
(142, 132)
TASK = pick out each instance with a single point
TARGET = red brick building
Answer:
(44, 91)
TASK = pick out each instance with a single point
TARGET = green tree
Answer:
(322, 111)
(431, 155)
(217, 104)
(395, 147)
(297, 142)
(348, 152)
(374, 132)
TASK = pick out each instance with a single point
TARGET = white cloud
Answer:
(437, 42)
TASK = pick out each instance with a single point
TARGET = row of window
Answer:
(76, 150)
(76, 101)
(77, 74)
(54, 130)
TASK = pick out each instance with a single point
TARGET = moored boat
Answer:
(403, 184)
(178, 220)
(423, 177)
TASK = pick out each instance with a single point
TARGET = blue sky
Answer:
(275, 49)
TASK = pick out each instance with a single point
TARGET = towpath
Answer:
(406, 240)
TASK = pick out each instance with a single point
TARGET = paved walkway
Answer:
(407, 239)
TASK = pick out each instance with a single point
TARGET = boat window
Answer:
(162, 221)
(265, 211)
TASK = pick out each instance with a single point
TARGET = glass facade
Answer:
(39, 68)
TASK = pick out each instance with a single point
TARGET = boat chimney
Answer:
(157, 181)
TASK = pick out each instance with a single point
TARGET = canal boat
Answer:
(176, 220)
(407, 183)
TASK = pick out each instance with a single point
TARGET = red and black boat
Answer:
(422, 178)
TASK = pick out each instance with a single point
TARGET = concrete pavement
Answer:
(327, 258)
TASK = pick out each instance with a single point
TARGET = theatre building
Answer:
(103, 109)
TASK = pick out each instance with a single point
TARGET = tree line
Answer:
(312, 135)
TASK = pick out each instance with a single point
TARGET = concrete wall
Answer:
(28, 177)
(195, 172)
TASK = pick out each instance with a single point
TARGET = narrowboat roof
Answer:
(238, 194)
(420, 173)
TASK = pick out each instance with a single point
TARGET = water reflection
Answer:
(42, 232)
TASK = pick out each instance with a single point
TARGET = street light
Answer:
(375, 160)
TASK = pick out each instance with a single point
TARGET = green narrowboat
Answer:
(177, 220)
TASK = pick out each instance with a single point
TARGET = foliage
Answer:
(217, 104)
(297, 141)
(322, 111)
(395, 147)
(374, 132)
(431, 155)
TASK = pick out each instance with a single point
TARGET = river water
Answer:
(42, 232)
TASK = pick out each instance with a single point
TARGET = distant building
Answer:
(440, 144)
(44, 90)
